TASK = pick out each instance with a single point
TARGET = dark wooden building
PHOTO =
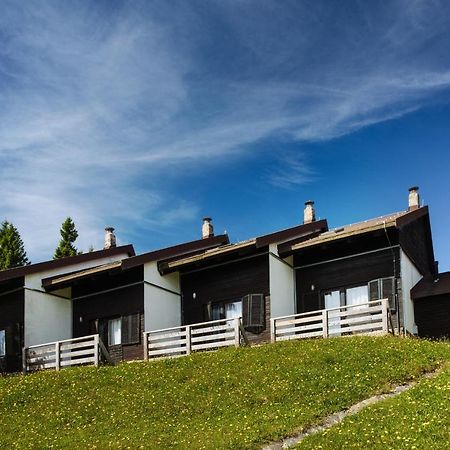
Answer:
(431, 298)
(379, 258)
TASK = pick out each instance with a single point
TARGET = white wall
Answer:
(47, 318)
(162, 308)
(410, 276)
(282, 285)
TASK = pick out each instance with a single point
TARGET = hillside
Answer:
(226, 399)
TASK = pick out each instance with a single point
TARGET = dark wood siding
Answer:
(123, 299)
(415, 239)
(432, 316)
(223, 283)
(346, 272)
(12, 320)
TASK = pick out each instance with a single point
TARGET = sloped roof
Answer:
(179, 250)
(278, 237)
(19, 272)
(60, 280)
(388, 221)
(428, 287)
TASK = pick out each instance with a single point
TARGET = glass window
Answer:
(229, 310)
(233, 310)
(332, 299)
(2, 343)
(115, 331)
(357, 295)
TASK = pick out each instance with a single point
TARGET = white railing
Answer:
(69, 352)
(369, 317)
(181, 341)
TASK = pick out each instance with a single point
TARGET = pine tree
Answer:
(12, 250)
(69, 235)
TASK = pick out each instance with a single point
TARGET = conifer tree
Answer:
(12, 250)
(69, 235)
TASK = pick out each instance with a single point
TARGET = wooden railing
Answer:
(69, 352)
(369, 317)
(181, 341)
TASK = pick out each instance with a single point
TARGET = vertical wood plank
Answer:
(96, 348)
(325, 323)
(24, 360)
(237, 340)
(188, 340)
(57, 356)
(384, 307)
(145, 346)
(272, 330)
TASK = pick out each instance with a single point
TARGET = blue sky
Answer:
(148, 115)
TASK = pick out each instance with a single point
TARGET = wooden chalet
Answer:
(31, 315)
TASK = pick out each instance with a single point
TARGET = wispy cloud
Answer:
(103, 103)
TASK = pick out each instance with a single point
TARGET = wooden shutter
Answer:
(130, 329)
(374, 291)
(253, 313)
(388, 291)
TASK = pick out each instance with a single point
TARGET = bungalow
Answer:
(379, 258)
(31, 315)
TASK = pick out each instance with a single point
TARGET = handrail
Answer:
(191, 325)
(63, 341)
(317, 311)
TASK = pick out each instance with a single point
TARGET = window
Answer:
(114, 331)
(225, 310)
(118, 330)
(253, 313)
(383, 288)
(2, 343)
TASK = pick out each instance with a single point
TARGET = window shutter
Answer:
(253, 313)
(130, 329)
(388, 291)
(374, 291)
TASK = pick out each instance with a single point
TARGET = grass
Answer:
(227, 399)
(416, 419)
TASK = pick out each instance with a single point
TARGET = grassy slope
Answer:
(227, 399)
(417, 419)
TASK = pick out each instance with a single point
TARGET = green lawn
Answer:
(227, 399)
(416, 419)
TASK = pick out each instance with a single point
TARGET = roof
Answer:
(176, 251)
(62, 280)
(64, 262)
(226, 249)
(428, 287)
(391, 220)
(279, 237)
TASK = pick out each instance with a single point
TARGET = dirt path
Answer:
(334, 419)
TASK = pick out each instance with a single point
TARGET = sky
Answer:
(148, 115)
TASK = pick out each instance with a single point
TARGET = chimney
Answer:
(110, 238)
(413, 198)
(309, 214)
(207, 228)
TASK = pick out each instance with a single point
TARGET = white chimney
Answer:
(413, 198)
(309, 214)
(110, 238)
(207, 228)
